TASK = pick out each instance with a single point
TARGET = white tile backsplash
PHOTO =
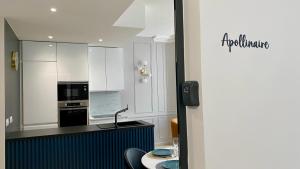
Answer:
(103, 103)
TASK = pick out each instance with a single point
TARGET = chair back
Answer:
(133, 157)
(174, 127)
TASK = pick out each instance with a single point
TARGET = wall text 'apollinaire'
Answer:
(243, 42)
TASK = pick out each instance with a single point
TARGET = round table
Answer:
(150, 161)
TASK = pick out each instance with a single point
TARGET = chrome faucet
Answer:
(117, 113)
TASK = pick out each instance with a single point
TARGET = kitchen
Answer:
(63, 80)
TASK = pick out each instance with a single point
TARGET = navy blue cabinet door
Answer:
(93, 150)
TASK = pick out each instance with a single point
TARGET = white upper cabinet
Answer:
(106, 69)
(39, 51)
(72, 62)
(97, 74)
(114, 69)
(39, 93)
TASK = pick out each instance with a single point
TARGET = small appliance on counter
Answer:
(73, 103)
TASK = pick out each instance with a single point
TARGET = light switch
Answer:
(11, 119)
(7, 122)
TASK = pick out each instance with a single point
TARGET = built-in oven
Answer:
(73, 103)
(73, 113)
(68, 91)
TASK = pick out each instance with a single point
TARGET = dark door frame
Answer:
(180, 78)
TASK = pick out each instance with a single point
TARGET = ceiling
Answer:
(156, 17)
(75, 20)
(134, 16)
(82, 21)
(159, 21)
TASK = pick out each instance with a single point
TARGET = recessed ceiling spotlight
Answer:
(100, 40)
(50, 45)
(53, 9)
(50, 37)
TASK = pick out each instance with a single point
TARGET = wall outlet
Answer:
(11, 119)
(7, 122)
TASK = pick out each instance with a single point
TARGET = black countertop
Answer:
(65, 131)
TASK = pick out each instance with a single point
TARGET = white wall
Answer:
(193, 72)
(12, 81)
(152, 97)
(150, 101)
(2, 96)
(250, 96)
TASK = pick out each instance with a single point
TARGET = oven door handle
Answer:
(79, 108)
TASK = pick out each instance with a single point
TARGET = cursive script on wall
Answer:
(243, 42)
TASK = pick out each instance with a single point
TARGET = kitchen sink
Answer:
(127, 124)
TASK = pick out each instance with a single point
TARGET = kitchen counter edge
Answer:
(65, 131)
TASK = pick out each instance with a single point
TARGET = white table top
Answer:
(150, 161)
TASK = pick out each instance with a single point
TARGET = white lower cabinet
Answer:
(39, 93)
(40, 126)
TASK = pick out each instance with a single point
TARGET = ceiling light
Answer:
(100, 40)
(50, 37)
(53, 9)
(50, 45)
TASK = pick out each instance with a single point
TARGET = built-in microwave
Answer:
(70, 91)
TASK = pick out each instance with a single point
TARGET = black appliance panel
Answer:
(73, 117)
(73, 91)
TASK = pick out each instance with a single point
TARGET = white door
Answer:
(97, 72)
(39, 93)
(114, 69)
(72, 62)
(39, 51)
